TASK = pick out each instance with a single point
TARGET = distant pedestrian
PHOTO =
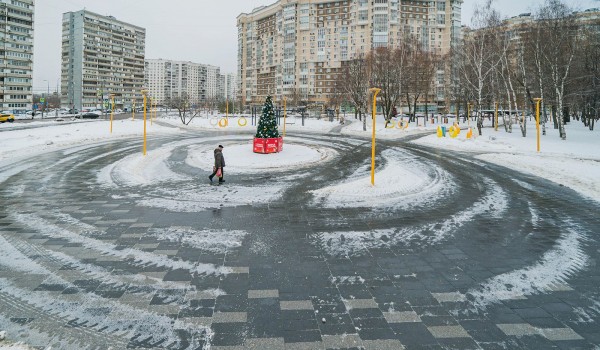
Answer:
(219, 165)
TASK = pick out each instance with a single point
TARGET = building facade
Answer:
(101, 56)
(16, 55)
(230, 86)
(297, 47)
(167, 79)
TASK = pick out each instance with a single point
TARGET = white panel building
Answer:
(16, 54)
(101, 56)
(168, 79)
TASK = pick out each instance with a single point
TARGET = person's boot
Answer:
(221, 180)
(210, 178)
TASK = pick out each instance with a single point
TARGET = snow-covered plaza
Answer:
(471, 244)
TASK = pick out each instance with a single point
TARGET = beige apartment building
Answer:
(16, 55)
(297, 47)
(101, 56)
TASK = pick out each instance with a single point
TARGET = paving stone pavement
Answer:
(95, 255)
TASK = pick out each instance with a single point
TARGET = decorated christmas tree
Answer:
(267, 125)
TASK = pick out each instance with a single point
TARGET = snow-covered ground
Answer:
(574, 162)
(51, 136)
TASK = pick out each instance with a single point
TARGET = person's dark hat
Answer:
(221, 146)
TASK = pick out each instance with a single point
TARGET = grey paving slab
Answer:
(267, 293)
(361, 304)
(97, 266)
(229, 317)
(449, 297)
(448, 332)
(560, 334)
(296, 305)
(518, 329)
(401, 317)
(265, 343)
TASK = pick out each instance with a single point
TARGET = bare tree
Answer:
(479, 52)
(184, 107)
(386, 68)
(419, 71)
(560, 34)
(354, 84)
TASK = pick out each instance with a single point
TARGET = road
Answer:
(102, 249)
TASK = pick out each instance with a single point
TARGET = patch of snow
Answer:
(555, 267)
(403, 182)
(216, 241)
(136, 256)
(347, 243)
(574, 162)
(240, 158)
(210, 197)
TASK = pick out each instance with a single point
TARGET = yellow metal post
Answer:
(284, 114)
(537, 121)
(375, 91)
(496, 118)
(144, 93)
(469, 114)
(112, 111)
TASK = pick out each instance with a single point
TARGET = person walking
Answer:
(219, 165)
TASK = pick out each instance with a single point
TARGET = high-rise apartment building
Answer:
(230, 86)
(168, 79)
(297, 47)
(16, 54)
(101, 56)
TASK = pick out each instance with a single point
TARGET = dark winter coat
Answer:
(219, 159)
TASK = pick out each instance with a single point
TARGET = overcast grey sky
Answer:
(202, 31)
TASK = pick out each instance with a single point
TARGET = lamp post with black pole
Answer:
(43, 100)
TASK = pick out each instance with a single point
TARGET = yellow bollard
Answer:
(496, 118)
(375, 91)
(439, 132)
(469, 134)
(469, 114)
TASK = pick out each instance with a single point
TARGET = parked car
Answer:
(7, 117)
(90, 115)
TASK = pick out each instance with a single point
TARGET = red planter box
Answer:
(265, 146)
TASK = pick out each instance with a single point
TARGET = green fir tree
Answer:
(267, 125)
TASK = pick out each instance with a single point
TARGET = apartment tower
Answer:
(101, 56)
(297, 47)
(167, 79)
(16, 55)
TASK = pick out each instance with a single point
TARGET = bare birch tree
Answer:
(354, 83)
(560, 34)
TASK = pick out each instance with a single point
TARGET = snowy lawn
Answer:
(574, 162)
(53, 136)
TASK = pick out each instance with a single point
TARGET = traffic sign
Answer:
(42, 100)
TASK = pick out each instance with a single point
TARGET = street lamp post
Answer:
(112, 111)
(144, 92)
(375, 91)
(44, 103)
